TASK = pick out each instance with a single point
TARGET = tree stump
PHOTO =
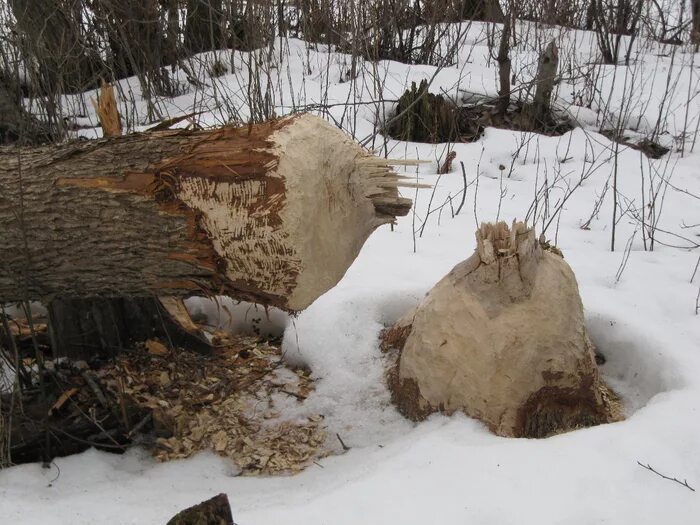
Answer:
(502, 338)
(424, 117)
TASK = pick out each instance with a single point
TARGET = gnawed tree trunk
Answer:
(273, 213)
(422, 116)
(502, 338)
(538, 114)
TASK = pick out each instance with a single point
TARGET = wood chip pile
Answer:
(236, 401)
(225, 402)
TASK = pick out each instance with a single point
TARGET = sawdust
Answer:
(225, 402)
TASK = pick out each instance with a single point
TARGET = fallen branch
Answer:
(684, 483)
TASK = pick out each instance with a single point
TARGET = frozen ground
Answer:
(641, 314)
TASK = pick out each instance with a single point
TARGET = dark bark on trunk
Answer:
(485, 10)
(16, 124)
(204, 31)
(138, 45)
(53, 38)
(504, 69)
(101, 328)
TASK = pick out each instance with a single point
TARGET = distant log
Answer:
(215, 511)
(272, 213)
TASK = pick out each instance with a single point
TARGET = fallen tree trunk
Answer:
(273, 213)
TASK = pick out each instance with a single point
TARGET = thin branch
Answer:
(684, 483)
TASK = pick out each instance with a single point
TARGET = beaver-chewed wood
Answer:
(502, 338)
(273, 213)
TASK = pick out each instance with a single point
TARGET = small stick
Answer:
(294, 394)
(684, 483)
(96, 389)
(345, 447)
(139, 425)
(464, 191)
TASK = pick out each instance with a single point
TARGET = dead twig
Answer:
(342, 443)
(684, 483)
(96, 389)
(464, 192)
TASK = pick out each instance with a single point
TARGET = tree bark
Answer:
(137, 42)
(273, 213)
(204, 31)
(538, 114)
(102, 327)
(17, 124)
(54, 40)
(503, 59)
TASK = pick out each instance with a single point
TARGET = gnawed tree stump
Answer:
(502, 338)
(422, 116)
(538, 114)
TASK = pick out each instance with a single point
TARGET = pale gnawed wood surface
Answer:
(502, 338)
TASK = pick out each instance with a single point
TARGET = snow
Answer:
(641, 315)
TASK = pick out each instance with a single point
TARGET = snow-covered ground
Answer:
(640, 308)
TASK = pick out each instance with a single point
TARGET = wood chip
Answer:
(65, 396)
(156, 348)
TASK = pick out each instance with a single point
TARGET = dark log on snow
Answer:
(214, 511)
(273, 213)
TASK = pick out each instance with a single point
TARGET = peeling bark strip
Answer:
(273, 213)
